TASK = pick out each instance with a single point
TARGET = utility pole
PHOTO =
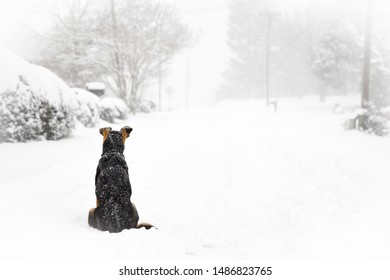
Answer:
(267, 53)
(159, 88)
(367, 55)
(188, 83)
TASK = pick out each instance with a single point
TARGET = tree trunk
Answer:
(367, 56)
(122, 87)
(323, 93)
(118, 63)
(133, 94)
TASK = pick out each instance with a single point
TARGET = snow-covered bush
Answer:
(386, 112)
(19, 116)
(376, 122)
(87, 111)
(112, 108)
(34, 103)
(146, 106)
(371, 121)
(26, 115)
(57, 121)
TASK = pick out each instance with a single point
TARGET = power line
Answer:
(218, 8)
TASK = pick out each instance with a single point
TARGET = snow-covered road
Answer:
(231, 182)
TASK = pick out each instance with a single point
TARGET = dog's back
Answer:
(114, 210)
(113, 191)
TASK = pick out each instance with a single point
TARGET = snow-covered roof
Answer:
(95, 86)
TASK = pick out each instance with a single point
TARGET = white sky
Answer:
(207, 58)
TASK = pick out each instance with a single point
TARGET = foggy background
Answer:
(225, 53)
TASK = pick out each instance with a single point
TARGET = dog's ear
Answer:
(105, 131)
(125, 131)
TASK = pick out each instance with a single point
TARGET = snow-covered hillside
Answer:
(232, 182)
(41, 80)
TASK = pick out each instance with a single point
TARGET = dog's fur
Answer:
(114, 211)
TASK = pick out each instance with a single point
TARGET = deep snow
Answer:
(234, 181)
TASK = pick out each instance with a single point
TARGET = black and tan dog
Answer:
(114, 211)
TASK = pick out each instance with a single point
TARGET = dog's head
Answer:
(114, 141)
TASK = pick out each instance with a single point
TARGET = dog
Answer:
(114, 210)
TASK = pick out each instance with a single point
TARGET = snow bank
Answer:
(42, 81)
(51, 86)
(11, 67)
(87, 111)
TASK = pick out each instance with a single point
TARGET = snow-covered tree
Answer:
(142, 35)
(122, 42)
(27, 115)
(66, 48)
(244, 77)
(251, 25)
(336, 58)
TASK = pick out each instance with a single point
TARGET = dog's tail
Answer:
(146, 225)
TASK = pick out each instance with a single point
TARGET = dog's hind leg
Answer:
(92, 218)
(94, 221)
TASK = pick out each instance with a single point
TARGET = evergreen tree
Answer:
(380, 76)
(249, 24)
(244, 77)
(336, 58)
